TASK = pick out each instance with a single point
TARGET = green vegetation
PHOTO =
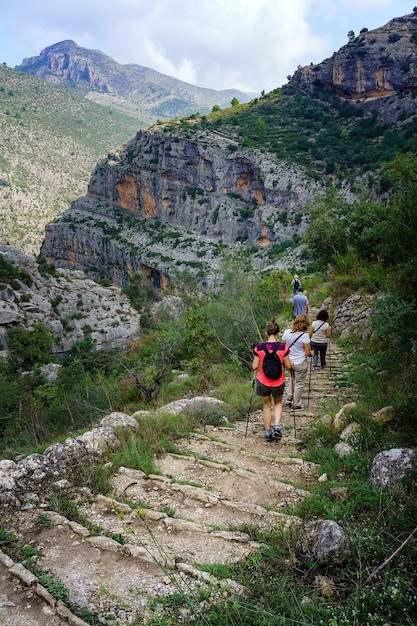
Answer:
(45, 128)
(89, 384)
(10, 275)
(324, 134)
(29, 348)
(360, 246)
(370, 247)
(224, 328)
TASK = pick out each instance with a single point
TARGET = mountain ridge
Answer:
(134, 89)
(233, 178)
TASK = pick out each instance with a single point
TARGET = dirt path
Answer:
(154, 532)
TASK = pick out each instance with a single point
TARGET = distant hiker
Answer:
(320, 332)
(299, 303)
(298, 342)
(267, 387)
(295, 283)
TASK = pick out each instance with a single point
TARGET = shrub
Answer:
(30, 347)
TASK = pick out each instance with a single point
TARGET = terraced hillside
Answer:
(119, 557)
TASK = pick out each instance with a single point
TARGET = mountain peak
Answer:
(133, 89)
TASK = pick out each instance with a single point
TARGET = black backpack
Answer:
(296, 284)
(272, 364)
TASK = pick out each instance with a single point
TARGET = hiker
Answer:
(298, 342)
(267, 387)
(320, 332)
(299, 303)
(295, 283)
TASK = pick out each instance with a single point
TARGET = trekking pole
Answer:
(330, 359)
(249, 407)
(293, 403)
(309, 384)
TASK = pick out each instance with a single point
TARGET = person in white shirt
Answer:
(298, 341)
(320, 333)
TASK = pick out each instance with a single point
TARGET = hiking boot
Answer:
(299, 407)
(316, 369)
(277, 432)
(268, 436)
(288, 401)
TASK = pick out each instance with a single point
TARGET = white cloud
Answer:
(246, 44)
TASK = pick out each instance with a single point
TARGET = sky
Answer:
(251, 45)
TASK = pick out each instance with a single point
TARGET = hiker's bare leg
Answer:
(277, 411)
(267, 412)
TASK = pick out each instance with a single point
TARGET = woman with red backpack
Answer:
(270, 380)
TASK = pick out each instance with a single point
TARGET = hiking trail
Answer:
(155, 531)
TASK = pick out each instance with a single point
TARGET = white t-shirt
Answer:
(296, 342)
(320, 327)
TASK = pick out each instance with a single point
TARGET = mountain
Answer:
(167, 203)
(181, 193)
(132, 89)
(50, 140)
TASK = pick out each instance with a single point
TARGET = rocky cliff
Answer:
(167, 203)
(133, 89)
(372, 66)
(70, 305)
(178, 195)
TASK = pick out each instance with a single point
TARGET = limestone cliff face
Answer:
(69, 304)
(166, 203)
(373, 65)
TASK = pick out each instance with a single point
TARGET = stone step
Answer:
(108, 578)
(148, 540)
(24, 601)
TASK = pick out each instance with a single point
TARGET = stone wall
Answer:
(352, 317)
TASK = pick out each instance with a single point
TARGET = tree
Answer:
(239, 312)
(327, 234)
(351, 35)
(401, 224)
(398, 230)
(260, 128)
(215, 108)
(234, 102)
(30, 347)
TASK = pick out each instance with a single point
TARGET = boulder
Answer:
(323, 542)
(384, 415)
(342, 448)
(342, 417)
(391, 466)
(178, 406)
(118, 420)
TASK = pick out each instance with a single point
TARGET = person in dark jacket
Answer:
(295, 284)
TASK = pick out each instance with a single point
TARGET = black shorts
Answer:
(264, 390)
